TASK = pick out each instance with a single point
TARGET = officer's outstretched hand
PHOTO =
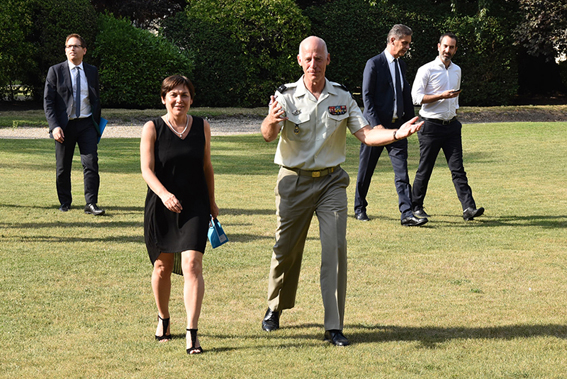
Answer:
(409, 128)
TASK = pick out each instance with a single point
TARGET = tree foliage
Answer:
(15, 57)
(33, 36)
(543, 28)
(141, 12)
(489, 68)
(53, 21)
(484, 50)
(133, 62)
(243, 49)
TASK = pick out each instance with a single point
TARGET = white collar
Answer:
(389, 56)
(72, 66)
(440, 63)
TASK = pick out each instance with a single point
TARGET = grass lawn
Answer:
(452, 299)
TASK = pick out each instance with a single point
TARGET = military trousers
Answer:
(298, 198)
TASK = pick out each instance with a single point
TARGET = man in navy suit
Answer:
(387, 104)
(72, 108)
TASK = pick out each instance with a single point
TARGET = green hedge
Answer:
(487, 59)
(15, 50)
(243, 49)
(133, 62)
(32, 38)
(356, 30)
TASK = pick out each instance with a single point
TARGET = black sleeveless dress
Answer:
(179, 167)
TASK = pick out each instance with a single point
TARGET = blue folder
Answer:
(101, 127)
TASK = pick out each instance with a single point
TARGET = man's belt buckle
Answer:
(316, 174)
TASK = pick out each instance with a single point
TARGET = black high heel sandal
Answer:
(193, 349)
(165, 324)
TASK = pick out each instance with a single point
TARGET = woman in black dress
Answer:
(176, 164)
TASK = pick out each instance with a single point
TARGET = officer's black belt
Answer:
(314, 173)
(438, 121)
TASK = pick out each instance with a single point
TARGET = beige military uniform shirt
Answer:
(314, 136)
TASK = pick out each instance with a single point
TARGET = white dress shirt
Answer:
(85, 103)
(392, 66)
(434, 78)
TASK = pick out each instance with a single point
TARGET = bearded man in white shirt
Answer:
(436, 88)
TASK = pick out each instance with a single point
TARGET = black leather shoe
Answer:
(414, 221)
(271, 320)
(336, 337)
(471, 213)
(420, 213)
(361, 216)
(93, 210)
(64, 207)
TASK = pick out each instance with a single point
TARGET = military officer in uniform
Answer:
(312, 116)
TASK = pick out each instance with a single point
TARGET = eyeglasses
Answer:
(73, 46)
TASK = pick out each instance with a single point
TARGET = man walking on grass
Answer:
(312, 116)
(72, 108)
(436, 88)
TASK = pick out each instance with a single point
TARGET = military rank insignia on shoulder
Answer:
(286, 87)
(342, 86)
(282, 88)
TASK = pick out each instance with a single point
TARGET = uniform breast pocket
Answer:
(297, 127)
(335, 122)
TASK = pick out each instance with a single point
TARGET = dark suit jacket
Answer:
(378, 92)
(58, 94)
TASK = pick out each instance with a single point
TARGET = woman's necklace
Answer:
(175, 131)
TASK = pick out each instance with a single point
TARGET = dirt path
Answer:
(249, 125)
(219, 127)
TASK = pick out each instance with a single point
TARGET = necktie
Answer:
(399, 94)
(78, 93)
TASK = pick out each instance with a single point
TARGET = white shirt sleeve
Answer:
(419, 85)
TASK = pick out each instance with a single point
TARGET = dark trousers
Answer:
(83, 133)
(369, 155)
(433, 137)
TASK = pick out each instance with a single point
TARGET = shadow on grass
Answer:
(78, 207)
(547, 222)
(456, 221)
(429, 336)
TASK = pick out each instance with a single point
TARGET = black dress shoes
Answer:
(471, 213)
(420, 213)
(414, 221)
(361, 216)
(336, 337)
(271, 320)
(64, 207)
(93, 210)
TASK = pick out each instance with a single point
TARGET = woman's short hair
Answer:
(173, 81)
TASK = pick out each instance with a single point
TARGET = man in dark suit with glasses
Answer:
(72, 108)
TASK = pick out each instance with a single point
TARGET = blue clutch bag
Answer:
(217, 236)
